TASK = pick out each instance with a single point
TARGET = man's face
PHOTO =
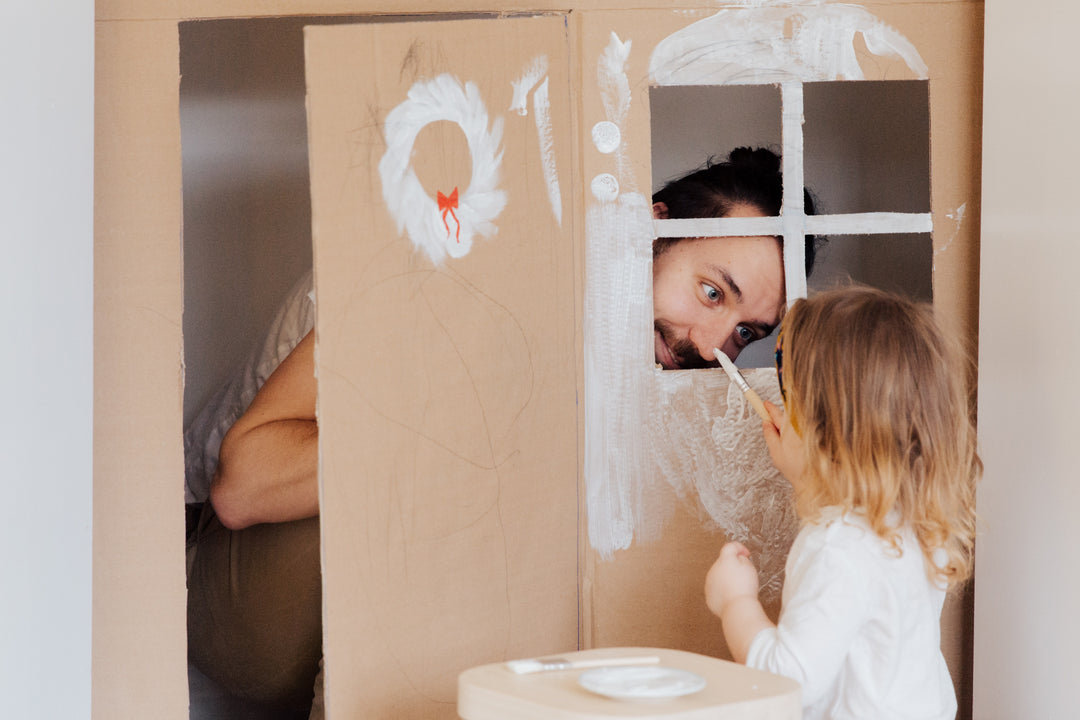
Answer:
(715, 293)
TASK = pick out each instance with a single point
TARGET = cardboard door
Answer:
(446, 353)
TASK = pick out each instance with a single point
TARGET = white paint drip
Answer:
(537, 68)
(435, 231)
(542, 115)
(749, 46)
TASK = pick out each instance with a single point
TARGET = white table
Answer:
(732, 692)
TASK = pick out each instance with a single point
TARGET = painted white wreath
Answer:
(446, 225)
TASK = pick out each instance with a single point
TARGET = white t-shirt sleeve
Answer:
(825, 603)
(202, 439)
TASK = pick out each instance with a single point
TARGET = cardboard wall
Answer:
(139, 650)
(138, 585)
(620, 609)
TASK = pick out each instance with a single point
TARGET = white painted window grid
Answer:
(793, 224)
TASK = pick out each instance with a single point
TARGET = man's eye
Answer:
(745, 334)
(710, 292)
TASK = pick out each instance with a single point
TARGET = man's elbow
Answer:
(231, 506)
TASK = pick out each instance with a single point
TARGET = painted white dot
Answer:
(606, 136)
(605, 187)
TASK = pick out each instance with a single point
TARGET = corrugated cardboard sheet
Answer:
(451, 426)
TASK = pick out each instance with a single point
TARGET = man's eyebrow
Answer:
(730, 281)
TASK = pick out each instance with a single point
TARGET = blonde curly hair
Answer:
(878, 394)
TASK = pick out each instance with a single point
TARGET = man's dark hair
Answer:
(748, 177)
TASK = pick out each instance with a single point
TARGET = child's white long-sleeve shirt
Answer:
(859, 627)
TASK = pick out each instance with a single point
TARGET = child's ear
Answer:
(659, 211)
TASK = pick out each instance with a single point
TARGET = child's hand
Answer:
(785, 445)
(732, 576)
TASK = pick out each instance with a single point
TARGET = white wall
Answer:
(46, 206)
(1027, 579)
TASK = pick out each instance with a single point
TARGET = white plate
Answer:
(639, 683)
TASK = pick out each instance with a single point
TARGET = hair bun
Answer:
(760, 159)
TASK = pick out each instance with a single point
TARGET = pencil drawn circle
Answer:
(606, 136)
(445, 226)
(605, 187)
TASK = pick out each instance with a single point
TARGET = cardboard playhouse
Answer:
(504, 471)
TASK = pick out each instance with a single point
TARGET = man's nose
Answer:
(717, 332)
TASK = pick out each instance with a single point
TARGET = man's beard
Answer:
(684, 351)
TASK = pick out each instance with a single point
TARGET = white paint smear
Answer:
(522, 86)
(615, 96)
(741, 46)
(792, 210)
(542, 115)
(606, 136)
(652, 435)
(611, 74)
(718, 227)
(605, 187)
(436, 231)
(958, 217)
(882, 223)
(618, 361)
(879, 223)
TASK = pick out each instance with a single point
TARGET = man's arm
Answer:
(268, 465)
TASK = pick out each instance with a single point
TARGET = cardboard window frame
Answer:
(793, 223)
(822, 224)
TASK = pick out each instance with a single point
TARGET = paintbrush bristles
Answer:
(748, 392)
(731, 370)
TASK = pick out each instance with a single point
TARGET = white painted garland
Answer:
(438, 227)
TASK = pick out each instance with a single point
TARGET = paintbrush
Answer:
(522, 667)
(748, 392)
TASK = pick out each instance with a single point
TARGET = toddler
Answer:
(877, 440)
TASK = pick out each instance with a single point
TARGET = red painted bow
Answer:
(447, 205)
